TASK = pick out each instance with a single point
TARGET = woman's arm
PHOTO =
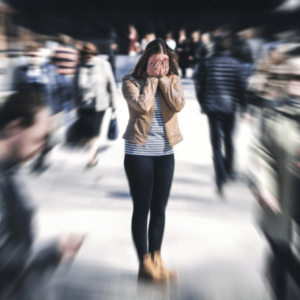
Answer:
(173, 93)
(141, 101)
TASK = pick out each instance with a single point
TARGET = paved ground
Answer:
(213, 243)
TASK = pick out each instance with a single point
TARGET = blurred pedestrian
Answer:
(149, 37)
(154, 95)
(195, 46)
(254, 39)
(30, 76)
(274, 157)
(241, 51)
(183, 48)
(95, 91)
(170, 40)
(134, 45)
(44, 79)
(24, 126)
(65, 58)
(219, 88)
(112, 51)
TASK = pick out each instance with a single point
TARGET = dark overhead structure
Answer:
(96, 18)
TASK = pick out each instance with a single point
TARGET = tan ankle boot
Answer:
(148, 271)
(158, 264)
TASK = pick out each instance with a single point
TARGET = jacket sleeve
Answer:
(111, 87)
(200, 83)
(140, 100)
(173, 93)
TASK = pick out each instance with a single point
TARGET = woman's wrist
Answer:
(164, 79)
(152, 78)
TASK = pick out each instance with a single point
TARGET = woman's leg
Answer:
(163, 177)
(139, 170)
(94, 142)
(93, 147)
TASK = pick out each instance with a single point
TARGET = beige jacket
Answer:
(140, 97)
(106, 94)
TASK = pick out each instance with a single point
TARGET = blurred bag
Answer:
(113, 130)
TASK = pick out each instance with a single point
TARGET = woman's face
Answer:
(158, 56)
(158, 65)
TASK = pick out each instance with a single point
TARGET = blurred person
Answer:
(154, 96)
(183, 48)
(208, 44)
(195, 46)
(43, 78)
(242, 52)
(268, 82)
(170, 40)
(274, 175)
(65, 58)
(113, 50)
(205, 50)
(25, 124)
(149, 37)
(29, 76)
(95, 91)
(134, 46)
(219, 88)
(255, 40)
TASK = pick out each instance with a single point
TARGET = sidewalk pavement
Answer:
(212, 242)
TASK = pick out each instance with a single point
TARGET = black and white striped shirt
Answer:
(157, 142)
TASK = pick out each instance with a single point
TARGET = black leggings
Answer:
(150, 180)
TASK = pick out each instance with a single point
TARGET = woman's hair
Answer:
(88, 50)
(155, 47)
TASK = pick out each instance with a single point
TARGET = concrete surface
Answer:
(212, 242)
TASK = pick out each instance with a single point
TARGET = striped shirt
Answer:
(157, 143)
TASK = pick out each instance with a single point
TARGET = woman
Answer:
(95, 91)
(154, 96)
(134, 46)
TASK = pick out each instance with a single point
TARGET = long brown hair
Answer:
(155, 47)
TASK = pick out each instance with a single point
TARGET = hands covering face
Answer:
(158, 65)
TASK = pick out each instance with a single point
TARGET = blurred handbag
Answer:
(113, 130)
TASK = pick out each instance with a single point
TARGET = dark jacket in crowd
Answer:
(184, 53)
(219, 84)
(18, 263)
(194, 49)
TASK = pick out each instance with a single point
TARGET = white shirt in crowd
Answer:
(171, 44)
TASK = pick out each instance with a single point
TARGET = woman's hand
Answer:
(158, 65)
(164, 68)
(154, 67)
